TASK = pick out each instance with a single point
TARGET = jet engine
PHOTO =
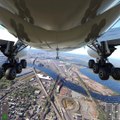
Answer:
(91, 52)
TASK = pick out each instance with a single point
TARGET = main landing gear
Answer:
(102, 66)
(13, 66)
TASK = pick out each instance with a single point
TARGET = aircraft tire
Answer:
(5, 66)
(91, 63)
(1, 72)
(10, 73)
(18, 68)
(109, 66)
(24, 63)
(96, 68)
(115, 73)
(103, 73)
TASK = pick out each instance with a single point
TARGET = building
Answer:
(112, 111)
(44, 77)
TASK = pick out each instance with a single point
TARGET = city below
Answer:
(52, 89)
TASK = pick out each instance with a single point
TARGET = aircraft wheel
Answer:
(24, 63)
(1, 72)
(18, 68)
(115, 73)
(103, 74)
(96, 68)
(109, 65)
(5, 66)
(102, 62)
(10, 73)
(91, 63)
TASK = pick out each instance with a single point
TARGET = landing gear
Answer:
(11, 69)
(57, 50)
(18, 68)
(1, 72)
(96, 68)
(23, 63)
(91, 63)
(103, 74)
(102, 69)
(13, 66)
(5, 66)
(102, 66)
(8, 69)
(115, 73)
(109, 65)
(10, 73)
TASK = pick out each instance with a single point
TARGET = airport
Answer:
(59, 60)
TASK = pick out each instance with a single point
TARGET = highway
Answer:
(77, 88)
(52, 103)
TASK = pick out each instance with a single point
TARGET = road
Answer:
(52, 103)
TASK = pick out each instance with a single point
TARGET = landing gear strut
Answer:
(57, 50)
(102, 66)
(13, 66)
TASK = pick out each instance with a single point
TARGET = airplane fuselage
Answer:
(65, 24)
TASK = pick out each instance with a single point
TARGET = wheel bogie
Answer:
(104, 69)
(11, 69)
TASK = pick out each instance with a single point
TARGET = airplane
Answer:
(61, 25)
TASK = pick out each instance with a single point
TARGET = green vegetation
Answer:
(4, 117)
(102, 115)
(26, 91)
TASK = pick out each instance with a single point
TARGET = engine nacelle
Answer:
(92, 53)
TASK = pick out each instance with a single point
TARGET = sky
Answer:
(4, 34)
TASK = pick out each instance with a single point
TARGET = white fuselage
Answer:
(64, 24)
